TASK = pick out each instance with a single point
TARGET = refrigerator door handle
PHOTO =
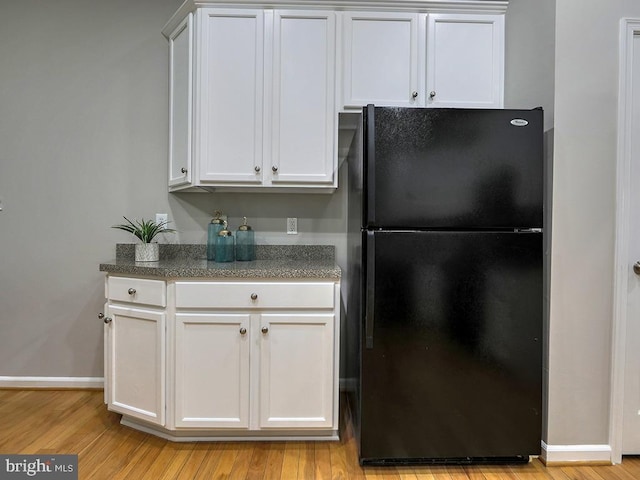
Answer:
(370, 290)
(370, 167)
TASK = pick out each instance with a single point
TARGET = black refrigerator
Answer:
(445, 274)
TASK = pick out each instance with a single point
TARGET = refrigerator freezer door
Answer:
(452, 361)
(453, 168)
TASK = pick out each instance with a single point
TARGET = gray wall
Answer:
(586, 85)
(83, 141)
(530, 56)
(83, 122)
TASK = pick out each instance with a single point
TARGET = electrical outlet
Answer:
(292, 226)
(162, 218)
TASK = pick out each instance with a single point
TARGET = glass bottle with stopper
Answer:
(225, 251)
(215, 226)
(245, 242)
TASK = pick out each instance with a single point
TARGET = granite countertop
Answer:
(272, 261)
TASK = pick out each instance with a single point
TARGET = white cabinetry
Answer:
(465, 60)
(303, 119)
(423, 59)
(135, 348)
(181, 103)
(212, 370)
(208, 360)
(382, 61)
(263, 103)
(255, 86)
(229, 93)
(262, 357)
(297, 385)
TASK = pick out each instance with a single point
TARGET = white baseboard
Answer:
(563, 454)
(51, 382)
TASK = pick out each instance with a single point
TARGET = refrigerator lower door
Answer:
(451, 350)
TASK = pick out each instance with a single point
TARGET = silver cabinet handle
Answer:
(132, 291)
(257, 168)
(432, 94)
(183, 170)
(414, 95)
(100, 316)
(636, 268)
(254, 296)
(274, 168)
(264, 329)
(243, 331)
(107, 320)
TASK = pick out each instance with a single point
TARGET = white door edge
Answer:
(628, 28)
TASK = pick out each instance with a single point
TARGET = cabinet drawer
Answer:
(254, 295)
(137, 290)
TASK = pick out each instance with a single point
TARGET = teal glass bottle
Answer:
(214, 228)
(245, 243)
(225, 245)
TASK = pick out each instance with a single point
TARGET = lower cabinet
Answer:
(212, 370)
(291, 353)
(136, 362)
(225, 359)
(295, 387)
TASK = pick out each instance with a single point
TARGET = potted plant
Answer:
(145, 230)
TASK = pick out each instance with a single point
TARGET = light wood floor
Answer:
(77, 422)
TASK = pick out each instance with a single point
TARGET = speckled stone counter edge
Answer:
(273, 261)
(125, 251)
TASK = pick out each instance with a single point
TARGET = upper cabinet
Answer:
(263, 105)
(181, 102)
(255, 89)
(381, 59)
(423, 60)
(230, 96)
(303, 119)
(465, 60)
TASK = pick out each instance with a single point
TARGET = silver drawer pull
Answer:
(264, 329)
(254, 296)
(243, 331)
(132, 291)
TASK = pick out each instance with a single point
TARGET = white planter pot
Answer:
(147, 252)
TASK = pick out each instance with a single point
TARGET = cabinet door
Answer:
(296, 370)
(303, 119)
(381, 59)
(212, 370)
(106, 330)
(229, 96)
(465, 60)
(180, 102)
(137, 363)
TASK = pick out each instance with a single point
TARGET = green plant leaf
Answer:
(145, 230)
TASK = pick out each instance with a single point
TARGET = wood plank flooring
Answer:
(77, 422)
